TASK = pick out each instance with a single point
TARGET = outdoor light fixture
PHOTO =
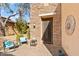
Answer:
(33, 25)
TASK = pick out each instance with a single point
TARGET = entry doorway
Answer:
(47, 30)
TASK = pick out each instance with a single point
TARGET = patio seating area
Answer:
(30, 48)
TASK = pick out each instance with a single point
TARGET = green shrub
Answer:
(18, 36)
(21, 25)
(28, 33)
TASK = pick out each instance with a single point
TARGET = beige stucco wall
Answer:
(70, 43)
(35, 11)
(40, 8)
(9, 29)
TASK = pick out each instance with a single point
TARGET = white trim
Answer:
(41, 32)
(47, 14)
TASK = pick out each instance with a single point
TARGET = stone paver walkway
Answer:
(26, 50)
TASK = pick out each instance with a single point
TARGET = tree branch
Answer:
(9, 18)
(1, 21)
(12, 15)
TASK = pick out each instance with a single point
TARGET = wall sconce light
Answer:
(34, 26)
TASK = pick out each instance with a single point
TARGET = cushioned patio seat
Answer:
(23, 39)
(8, 44)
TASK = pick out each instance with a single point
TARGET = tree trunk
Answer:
(14, 30)
(4, 33)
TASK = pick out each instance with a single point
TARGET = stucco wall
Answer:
(9, 28)
(37, 9)
(70, 42)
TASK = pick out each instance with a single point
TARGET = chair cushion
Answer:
(8, 44)
(23, 39)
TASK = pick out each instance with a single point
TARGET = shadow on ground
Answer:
(6, 54)
(54, 50)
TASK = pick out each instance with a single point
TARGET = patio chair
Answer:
(8, 44)
(23, 40)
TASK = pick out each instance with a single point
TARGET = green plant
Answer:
(17, 38)
(21, 26)
(28, 33)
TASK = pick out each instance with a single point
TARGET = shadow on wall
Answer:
(54, 49)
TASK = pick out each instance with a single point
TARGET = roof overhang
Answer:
(46, 15)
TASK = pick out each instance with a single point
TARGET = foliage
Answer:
(17, 38)
(28, 33)
(21, 26)
(22, 10)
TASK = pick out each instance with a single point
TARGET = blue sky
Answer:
(14, 8)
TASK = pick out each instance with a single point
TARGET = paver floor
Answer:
(27, 50)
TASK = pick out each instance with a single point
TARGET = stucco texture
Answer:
(70, 42)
